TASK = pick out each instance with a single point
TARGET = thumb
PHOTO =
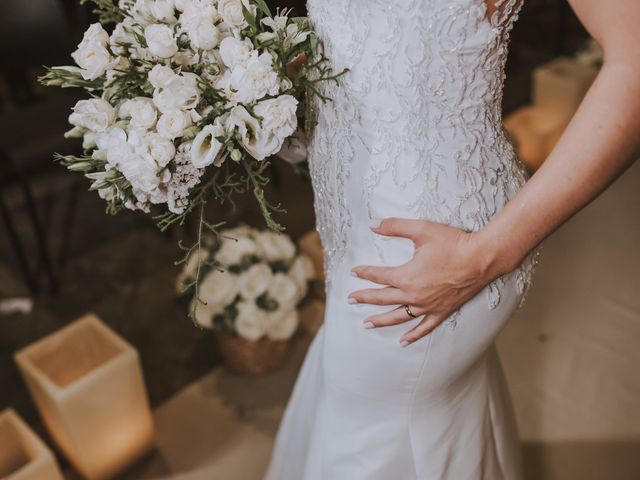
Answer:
(399, 227)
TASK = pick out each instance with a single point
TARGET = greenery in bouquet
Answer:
(257, 293)
(189, 99)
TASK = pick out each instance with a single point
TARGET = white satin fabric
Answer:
(414, 131)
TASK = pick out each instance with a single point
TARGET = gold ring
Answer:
(409, 312)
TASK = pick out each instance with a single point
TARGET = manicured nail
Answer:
(375, 223)
(352, 300)
(354, 274)
(369, 325)
(404, 343)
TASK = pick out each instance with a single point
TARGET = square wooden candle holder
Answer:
(23, 456)
(88, 386)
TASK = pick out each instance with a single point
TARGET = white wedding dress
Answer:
(415, 131)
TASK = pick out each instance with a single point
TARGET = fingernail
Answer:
(404, 343)
(369, 325)
(352, 300)
(354, 274)
(375, 223)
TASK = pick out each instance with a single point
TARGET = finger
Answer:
(378, 296)
(400, 227)
(392, 317)
(380, 275)
(425, 327)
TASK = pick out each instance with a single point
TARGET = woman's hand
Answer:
(449, 266)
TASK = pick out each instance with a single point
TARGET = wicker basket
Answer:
(252, 357)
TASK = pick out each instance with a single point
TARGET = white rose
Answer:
(258, 142)
(122, 35)
(255, 78)
(205, 148)
(202, 33)
(160, 40)
(204, 313)
(218, 289)
(197, 8)
(161, 149)
(255, 281)
(163, 10)
(275, 246)
(172, 123)
(231, 12)
(95, 33)
(93, 114)
(232, 251)
(284, 291)
(278, 115)
(302, 270)
(141, 111)
(251, 322)
(160, 76)
(180, 92)
(93, 59)
(235, 52)
(282, 324)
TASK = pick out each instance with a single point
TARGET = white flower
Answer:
(278, 115)
(172, 123)
(235, 52)
(163, 10)
(93, 114)
(160, 40)
(122, 35)
(231, 12)
(179, 92)
(204, 313)
(161, 149)
(89, 140)
(197, 8)
(205, 148)
(284, 291)
(282, 324)
(160, 76)
(301, 271)
(93, 58)
(95, 33)
(258, 142)
(218, 289)
(276, 23)
(251, 322)
(255, 78)
(233, 250)
(254, 282)
(141, 111)
(275, 246)
(202, 33)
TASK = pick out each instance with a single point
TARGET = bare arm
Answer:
(602, 140)
(449, 266)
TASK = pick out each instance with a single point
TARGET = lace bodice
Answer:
(414, 129)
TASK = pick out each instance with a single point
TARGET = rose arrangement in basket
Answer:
(258, 292)
(189, 100)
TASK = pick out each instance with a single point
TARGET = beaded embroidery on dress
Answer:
(414, 131)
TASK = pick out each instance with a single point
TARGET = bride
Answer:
(430, 233)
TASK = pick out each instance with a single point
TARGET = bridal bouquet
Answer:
(258, 293)
(188, 100)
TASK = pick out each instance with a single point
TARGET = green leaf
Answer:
(251, 20)
(262, 6)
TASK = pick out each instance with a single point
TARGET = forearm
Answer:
(601, 141)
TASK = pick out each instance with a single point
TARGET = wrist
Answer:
(494, 254)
